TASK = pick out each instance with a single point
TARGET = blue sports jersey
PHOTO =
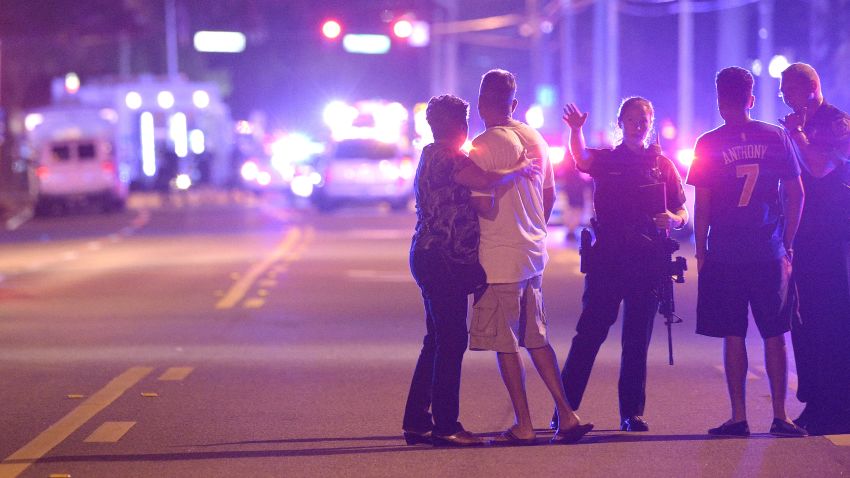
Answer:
(742, 166)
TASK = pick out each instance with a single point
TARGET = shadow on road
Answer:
(615, 437)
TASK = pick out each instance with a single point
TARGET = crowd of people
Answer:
(772, 235)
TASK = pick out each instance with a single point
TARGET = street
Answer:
(223, 334)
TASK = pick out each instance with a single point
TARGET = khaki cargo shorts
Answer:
(509, 316)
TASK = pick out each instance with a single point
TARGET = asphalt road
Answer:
(222, 335)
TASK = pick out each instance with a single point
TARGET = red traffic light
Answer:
(331, 29)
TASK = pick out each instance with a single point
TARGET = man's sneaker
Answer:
(781, 428)
(737, 429)
(634, 423)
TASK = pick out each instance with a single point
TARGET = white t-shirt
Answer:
(513, 245)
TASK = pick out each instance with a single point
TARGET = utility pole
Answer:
(731, 47)
(606, 55)
(686, 75)
(567, 51)
(766, 86)
(171, 38)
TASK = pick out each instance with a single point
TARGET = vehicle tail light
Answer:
(107, 167)
(42, 171)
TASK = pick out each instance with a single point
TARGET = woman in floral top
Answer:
(444, 262)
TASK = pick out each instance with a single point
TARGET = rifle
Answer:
(671, 270)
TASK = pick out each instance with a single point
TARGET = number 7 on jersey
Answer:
(750, 173)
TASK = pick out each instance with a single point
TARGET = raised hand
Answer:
(573, 116)
(794, 120)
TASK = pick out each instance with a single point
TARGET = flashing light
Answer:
(757, 67)
(108, 114)
(534, 116)
(366, 44)
(72, 83)
(201, 99)
(42, 171)
(367, 120)
(32, 120)
(406, 169)
(685, 157)
(148, 140)
(244, 127)
(389, 170)
(331, 29)
(196, 141)
(249, 171)
(668, 130)
(219, 42)
(178, 134)
(165, 99)
(264, 178)
(183, 181)
(777, 65)
(557, 154)
(403, 28)
(467, 146)
(133, 100)
(302, 186)
(421, 35)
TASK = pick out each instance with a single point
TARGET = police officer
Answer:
(622, 258)
(821, 134)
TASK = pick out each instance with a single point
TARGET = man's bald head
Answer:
(802, 72)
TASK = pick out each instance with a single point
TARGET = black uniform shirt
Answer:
(621, 200)
(827, 208)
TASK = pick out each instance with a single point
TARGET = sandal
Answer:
(508, 438)
(572, 435)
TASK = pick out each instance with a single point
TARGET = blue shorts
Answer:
(726, 290)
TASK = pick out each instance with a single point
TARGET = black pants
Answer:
(436, 379)
(822, 338)
(614, 279)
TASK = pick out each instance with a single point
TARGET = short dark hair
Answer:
(734, 86)
(446, 114)
(498, 86)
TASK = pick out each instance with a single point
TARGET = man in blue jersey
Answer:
(744, 229)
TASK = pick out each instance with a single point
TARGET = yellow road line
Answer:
(19, 461)
(254, 303)
(109, 432)
(243, 285)
(176, 373)
(839, 440)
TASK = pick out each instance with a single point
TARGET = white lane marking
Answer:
(175, 374)
(109, 432)
(379, 276)
(17, 462)
(94, 246)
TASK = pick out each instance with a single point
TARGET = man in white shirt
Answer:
(512, 250)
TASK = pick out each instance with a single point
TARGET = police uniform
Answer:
(622, 267)
(822, 272)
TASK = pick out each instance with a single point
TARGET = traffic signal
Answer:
(331, 29)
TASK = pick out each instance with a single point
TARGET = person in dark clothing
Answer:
(821, 134)
(444, 263)
(743, 231)
(622, 263)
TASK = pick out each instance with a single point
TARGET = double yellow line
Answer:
(288, 250)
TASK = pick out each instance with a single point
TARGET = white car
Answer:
(79, 170)
(365, 171)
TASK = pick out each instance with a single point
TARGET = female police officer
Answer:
(622, 265)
